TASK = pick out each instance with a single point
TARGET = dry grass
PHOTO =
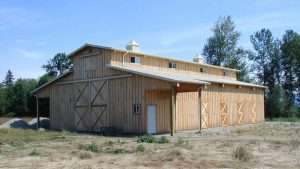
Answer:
(270, 145)
(242, 153)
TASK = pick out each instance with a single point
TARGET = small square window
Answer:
(137, 108)
(201, 69)
(135, 59)
(172, 65)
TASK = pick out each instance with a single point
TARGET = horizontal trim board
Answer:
(95, 79)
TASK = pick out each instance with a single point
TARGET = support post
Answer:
(37, 113)
(173, 110)
(200, 111)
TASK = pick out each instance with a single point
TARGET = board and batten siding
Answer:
(187, 111)
(151, 62)
(124, 93)
(230, 105)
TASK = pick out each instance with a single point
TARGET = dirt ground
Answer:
(266, 145)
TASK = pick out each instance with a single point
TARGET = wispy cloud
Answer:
(30, 54)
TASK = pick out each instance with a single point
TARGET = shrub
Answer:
(34, 152)
(163, 140)
(109, 143)
(140, 148)
(119, 151)
(241, 153)
(146, 139)
(89, 147)
(152, 139)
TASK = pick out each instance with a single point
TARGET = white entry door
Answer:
(151, 119)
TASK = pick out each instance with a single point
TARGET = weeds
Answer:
(152, 139)
(183, 143)
(140, 148)
(241, 153)
(85, 155)
(163, 140)
(146, 139)
(89, 147)
(34, 152)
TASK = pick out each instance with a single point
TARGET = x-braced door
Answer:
(90, 106)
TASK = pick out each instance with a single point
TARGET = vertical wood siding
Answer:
(187, 111)
(162, 64)
(216, 98)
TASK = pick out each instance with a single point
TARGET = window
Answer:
(201, 69)
(135, 59)
(224, 73)
(172, 65)
(137, 108)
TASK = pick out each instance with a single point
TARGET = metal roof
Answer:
(177, 76)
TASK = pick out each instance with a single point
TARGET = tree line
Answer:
(273, 62)
(16, 98)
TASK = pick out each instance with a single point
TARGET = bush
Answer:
(89, 147)
(146, 139)
(140, 148)
(163, 140)
(34, 153)
(241, 153)
(152, 139)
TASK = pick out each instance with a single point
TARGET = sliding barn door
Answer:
(90, 106)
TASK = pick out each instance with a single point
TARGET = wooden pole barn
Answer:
(132, 92)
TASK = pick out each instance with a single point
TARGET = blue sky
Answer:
(33, 31)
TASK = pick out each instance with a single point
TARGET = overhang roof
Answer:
(51, 81)
(157, 74)
(180, 77)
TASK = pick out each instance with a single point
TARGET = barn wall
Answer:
(61, 114)
(229, 105)
(163, 63)
(123, 93)
(91, 63)
(187, 111)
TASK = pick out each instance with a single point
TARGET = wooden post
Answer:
(200, 112)
(37, 113)
(173, 110)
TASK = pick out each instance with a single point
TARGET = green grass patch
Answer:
(17, 137)
(285, 119)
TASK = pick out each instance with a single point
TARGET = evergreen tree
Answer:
(267, 67)
(267, 57)
(9, 79)
(221, 49)
(276, 102)
(290, 63)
